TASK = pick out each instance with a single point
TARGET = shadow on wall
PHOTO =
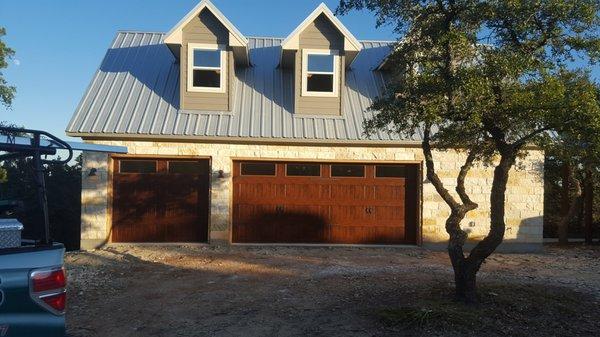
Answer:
(528, 238)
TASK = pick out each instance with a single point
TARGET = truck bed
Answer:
(20, 315)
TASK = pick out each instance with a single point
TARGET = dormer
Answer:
(319, 51)
(208, 47)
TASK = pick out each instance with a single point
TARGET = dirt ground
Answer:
(276, 291)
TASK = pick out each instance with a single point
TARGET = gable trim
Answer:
(350, 42)
(175, 35)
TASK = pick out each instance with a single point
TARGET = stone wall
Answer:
(94, 200)
(525, 192)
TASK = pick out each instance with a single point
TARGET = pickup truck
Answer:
(32, 290)
(32, 276)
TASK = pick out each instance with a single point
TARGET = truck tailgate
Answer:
(20, 315)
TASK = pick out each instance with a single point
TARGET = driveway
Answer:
(275, 291)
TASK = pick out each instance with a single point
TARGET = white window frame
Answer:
(305, 72)
(223, 69)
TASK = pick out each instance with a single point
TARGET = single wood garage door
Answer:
(160, 200)
(324, 203)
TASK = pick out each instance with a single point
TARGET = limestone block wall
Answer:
(525, 192)
(94, 199)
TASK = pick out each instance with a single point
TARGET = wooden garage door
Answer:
(324, 203)
(160, 200)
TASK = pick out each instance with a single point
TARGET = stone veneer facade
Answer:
(525, 191)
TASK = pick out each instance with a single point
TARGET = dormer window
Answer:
(207, 67)
(320, 73)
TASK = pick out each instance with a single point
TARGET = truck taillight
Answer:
(47, 288)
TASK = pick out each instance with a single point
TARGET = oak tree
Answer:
(491, 78)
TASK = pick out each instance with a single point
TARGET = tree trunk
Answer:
(588, 218)
(573, 206)
(497, 227)
(464, 280)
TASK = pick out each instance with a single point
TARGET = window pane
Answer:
(207, 78)
(188, 167)
(137, 166)
(258, 169)
(391, 171)
(207, 58)
(303, 170)
(347, 170)
(319, 83)
(320, 63)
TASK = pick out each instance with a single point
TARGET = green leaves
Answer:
(511, 90)
(7, 93)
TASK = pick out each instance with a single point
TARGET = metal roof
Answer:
(135, 92)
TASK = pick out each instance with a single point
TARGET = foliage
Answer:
(491, 78)
(7, 93)
(63, 183)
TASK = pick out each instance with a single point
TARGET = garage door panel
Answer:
(323, 209)
(157, 205)
(340, 192)
(393, 193)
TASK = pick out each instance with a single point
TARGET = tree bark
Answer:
(463, 278)
(572, 206)
(588, 218)
(486, 247)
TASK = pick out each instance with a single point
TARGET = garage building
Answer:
(252, 140)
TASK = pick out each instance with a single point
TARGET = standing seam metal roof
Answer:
(136, 92)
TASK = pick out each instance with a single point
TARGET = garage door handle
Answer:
(368, 210)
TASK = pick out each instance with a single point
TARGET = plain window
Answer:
(347, 170)
(207, 68)
(137, 166)
(390, 171)
(303, 170)
(258, 169)
(320, 73)
(188, 167)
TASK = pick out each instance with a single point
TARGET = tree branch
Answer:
(460, 181)
(431, 174)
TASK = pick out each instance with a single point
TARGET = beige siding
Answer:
(206, 28)
(320, 34)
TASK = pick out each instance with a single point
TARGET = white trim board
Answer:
(292, 41)
(236, 38)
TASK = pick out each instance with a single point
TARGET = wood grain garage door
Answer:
(160, 200)
(324, 203)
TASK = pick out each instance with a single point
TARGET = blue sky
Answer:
(60, 44)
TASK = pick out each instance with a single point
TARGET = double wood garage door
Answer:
(324, 203)
(160, 200)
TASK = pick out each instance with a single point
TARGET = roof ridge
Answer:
(265, 37)
(133, 31)
(138, 31)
